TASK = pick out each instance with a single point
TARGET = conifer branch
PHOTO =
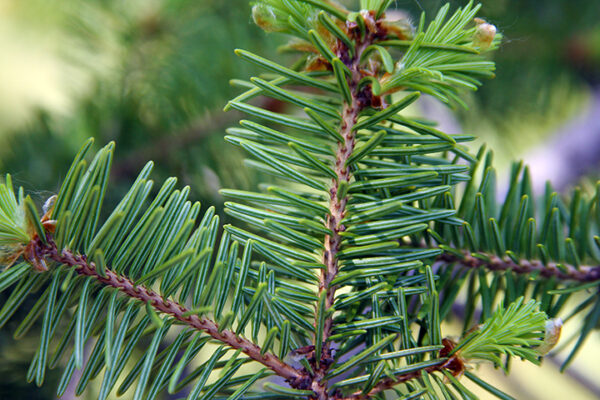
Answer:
(176, 310)
(493, 262)
(334, 264)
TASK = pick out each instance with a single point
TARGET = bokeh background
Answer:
(153, 75)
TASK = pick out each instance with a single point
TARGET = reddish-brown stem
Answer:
(337, 207)
(81, 265)
(491, 262)
(388, 383)
(337, 203)
(454, 364)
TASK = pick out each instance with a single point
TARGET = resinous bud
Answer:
(551, 336)
(265, 17)
(398, 24)
(484, 34)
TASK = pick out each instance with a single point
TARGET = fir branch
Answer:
(83, 267)
(361, 185)
(492, 262)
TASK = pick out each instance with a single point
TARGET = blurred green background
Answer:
(153, 75)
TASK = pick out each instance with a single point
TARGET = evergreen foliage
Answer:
(349, 264)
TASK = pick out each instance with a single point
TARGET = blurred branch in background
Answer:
(139, 72)
(163, 148)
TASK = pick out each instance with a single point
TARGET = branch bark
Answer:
(447, 362)
(337, 203)
(389, 383)
(583, 274)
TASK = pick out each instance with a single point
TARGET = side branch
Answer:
(167, 306)
(449, 365)
(389, 383)
(565, 272)
(453, 364)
